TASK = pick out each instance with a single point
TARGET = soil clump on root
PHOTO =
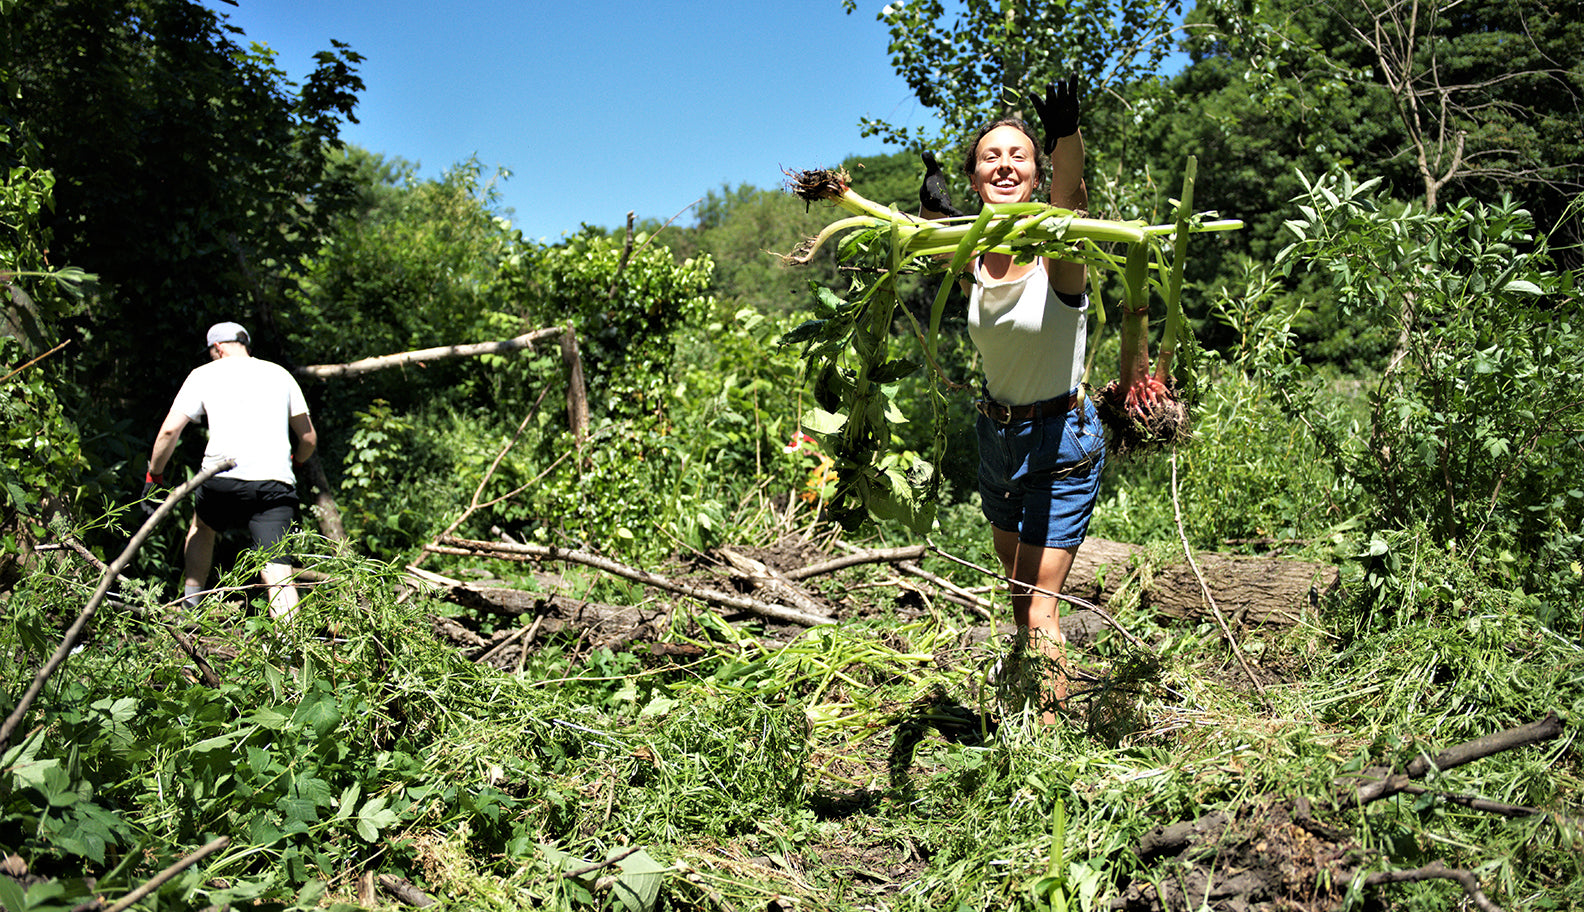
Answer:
(1160, 425)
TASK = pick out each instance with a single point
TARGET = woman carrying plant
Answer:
(1041, 447)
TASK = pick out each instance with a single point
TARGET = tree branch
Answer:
(108, 578)
(368, 365)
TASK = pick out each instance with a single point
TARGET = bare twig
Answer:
(859, 556)
(106, 580)
(1215, 609)
(1389, 783)
(953, 591)
(1069, 599)
(904, 559)
(209, 848)
(35, 361)
(621, 264)
(591, 868)
(405, 891)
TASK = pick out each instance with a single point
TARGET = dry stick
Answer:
(1205, 588)
(367, 365)
(953, 591)
(903, 558)
(621, 264)
(526, 634)
(1485, 746)
(213, 846)
(473, 503)
(35, 361)
(1437, 871)
(1475, 803)
(405, 891)
(1069, 599)
(873, 556)
(106, 580)
(773, 581)
(454, 545)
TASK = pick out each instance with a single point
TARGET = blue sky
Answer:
(602, 106)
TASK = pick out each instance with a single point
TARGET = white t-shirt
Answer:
(249, 403)
(1032, 342)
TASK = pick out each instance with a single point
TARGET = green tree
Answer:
(1474, 432)
(1482, 97)
(189, 172)
(411, 264)
(985, 59)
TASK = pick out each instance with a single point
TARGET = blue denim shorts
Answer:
(1040, 478)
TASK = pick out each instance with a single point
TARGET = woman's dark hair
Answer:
(970, 158)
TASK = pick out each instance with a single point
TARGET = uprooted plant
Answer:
(846, 346)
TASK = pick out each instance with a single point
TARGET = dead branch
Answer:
(404, 891)
(324, 506)
(577, 390)
(772, 581)
(590, 868)
(1222, 846)
(954, 592)
(1385, 785)
(859, 556)
(621, 265)
(504, 551)
(368, 365)
(1437, 871)
(209, 848)
(35, 361)
(106, 580)
(904, 559)
(1475, 803)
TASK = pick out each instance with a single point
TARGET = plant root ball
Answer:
(1156, 420)
(813, 186)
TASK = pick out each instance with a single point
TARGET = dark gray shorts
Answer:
(265, 507)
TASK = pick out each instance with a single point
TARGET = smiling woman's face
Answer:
(1005, 168)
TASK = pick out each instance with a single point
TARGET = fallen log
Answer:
(1251, 590)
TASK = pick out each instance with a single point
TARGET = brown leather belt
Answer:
(1034, 411)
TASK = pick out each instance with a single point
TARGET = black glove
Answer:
(151, 485)
(934, 195)
(1058, 111)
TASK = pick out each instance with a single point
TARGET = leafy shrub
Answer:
(1475, 429)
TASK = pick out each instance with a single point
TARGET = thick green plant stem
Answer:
(1135, 317)
(1174, 311)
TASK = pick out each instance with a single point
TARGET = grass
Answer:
(870, 764)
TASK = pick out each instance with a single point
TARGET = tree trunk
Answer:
(1253, 590)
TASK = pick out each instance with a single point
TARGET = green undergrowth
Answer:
(871, 764)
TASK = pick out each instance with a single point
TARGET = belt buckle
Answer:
(995, 411)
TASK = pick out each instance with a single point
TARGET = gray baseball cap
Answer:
(227, 332)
